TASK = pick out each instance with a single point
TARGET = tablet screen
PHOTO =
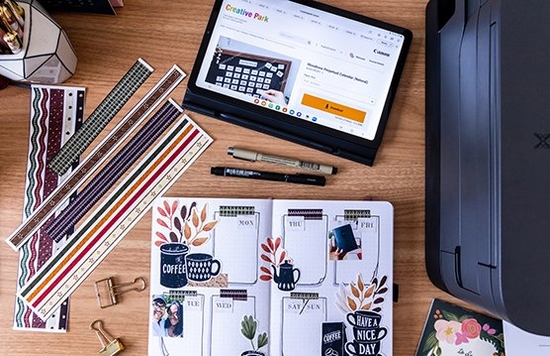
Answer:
(304, 62)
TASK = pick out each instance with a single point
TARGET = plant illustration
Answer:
(185, 225)
(359, 296)
(249, 325)
(273, 254)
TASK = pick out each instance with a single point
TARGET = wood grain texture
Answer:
(167, 33)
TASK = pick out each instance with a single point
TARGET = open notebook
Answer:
(246, 276)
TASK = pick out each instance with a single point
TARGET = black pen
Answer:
(278, 177)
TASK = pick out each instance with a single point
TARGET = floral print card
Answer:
(452, 330)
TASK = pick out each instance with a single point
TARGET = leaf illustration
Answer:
(449, 316)
(366, 306)
(352, 304)
(267, 259)
(266, 278)
(377, 310)
(159, 243)
(203, 213)
(270, 244)
(278, 241)
(199, 241)
(167, 207)
(262, 340)
(209, 226)
(360, 284)
(431, 342)
(382, 290)
(369, 291)
(174, 206)
(354, 291)
(187, 230)
(177, 223)
(161, 236)
(162, 212)
(383, 281)
(265, 270)
(248, 327)
(378, 300)
(162, 223)
(375, 281)
(283, 256)
(195, 218)
(191, 208)
(265, 248)
(174, 237)
(183, 212)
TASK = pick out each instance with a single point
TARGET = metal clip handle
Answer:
(110, 346)
(106, 290)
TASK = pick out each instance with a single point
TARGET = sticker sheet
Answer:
(56, 113)
(266, 269)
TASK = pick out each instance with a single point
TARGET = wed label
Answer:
(223, 305)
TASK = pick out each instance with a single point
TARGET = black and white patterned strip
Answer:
(179, 295)
(235, 294)
(101, 116)
(308, 214)
(232, 211)
(354, 214)
(304, 295)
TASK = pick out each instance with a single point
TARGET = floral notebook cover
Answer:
(452, 330)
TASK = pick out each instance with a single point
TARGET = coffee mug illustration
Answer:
(367, 333)
(201, 267)
(287, 277)
(173, 269)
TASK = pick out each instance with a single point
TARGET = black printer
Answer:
(488, 155)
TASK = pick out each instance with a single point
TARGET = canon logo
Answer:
(543, 141)
(381, 53)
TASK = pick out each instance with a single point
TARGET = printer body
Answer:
(488, 156)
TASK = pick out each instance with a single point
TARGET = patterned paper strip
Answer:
(56, 113)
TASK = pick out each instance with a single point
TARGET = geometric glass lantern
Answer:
(46, 57)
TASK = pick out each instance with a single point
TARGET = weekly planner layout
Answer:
(249, 277)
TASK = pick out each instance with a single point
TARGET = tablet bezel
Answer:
(308, 133)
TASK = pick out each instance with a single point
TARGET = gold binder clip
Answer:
(110, 346)
(107, 291)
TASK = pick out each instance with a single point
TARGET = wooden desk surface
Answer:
(170, 34)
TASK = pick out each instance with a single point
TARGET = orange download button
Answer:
(334, 108)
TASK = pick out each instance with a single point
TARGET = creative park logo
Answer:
(244, 12)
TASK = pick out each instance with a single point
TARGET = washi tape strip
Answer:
(101, 116)
(56, 113)
(115, 217)
(307, 214)
(354, 214)
(113, 170)
(98, 156)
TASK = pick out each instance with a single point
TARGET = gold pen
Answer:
(10, 21)
(17, 11)
(4, 48)
(11, 38)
